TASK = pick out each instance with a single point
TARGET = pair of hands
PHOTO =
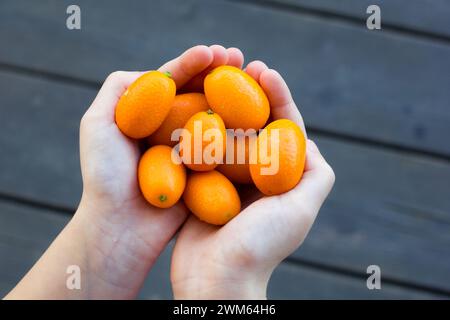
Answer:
(123, 235)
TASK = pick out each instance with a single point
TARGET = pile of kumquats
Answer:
(202, 145)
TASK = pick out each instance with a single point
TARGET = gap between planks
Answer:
(340, 136)
(362, 276)
(21, 201)
(345, 18)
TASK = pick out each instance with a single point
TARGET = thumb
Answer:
(273, 227)
(301, 205)
(315, 185)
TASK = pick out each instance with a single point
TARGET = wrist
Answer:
(113, 265)
(222, 285)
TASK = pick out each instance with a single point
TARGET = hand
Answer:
(236, 261)
(115, 236)
(128, 233)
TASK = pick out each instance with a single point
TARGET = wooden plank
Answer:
(26, 232)
(430, 16)
(40, 121)
(24, 235)
(374, 85)
(387, 208)
(307, 283)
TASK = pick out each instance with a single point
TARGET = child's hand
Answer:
(115, 235)
(128, 232)
(236, 260)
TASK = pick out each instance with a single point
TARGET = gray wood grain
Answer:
(25, 233)
(375, 85)
(387, 208)
(308, 283)
(430, 16)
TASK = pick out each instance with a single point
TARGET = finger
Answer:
(109, 94)
(255, 68)
(282, 106)
(286, 219)
(235, 57)
(189, 64)
(220, 57)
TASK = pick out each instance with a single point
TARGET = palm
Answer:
(133, 233)
(110, 172)
(109, 161)
(112, 163)
(266, 231)
(250, 238)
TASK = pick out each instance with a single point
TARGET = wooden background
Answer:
(376, 102)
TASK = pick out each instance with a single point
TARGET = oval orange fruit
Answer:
(288, 150)
(211, 197)
(206, 152)
(236, 166)
(145, 104)
(184, 106)
(237, 97)
(161, 180)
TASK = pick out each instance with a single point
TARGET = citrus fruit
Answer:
(236, 165)
(237, 97)
(184, 106)
(145, 104)
(161, 180)
(211, 197)
(288, 150)
(205, 137)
